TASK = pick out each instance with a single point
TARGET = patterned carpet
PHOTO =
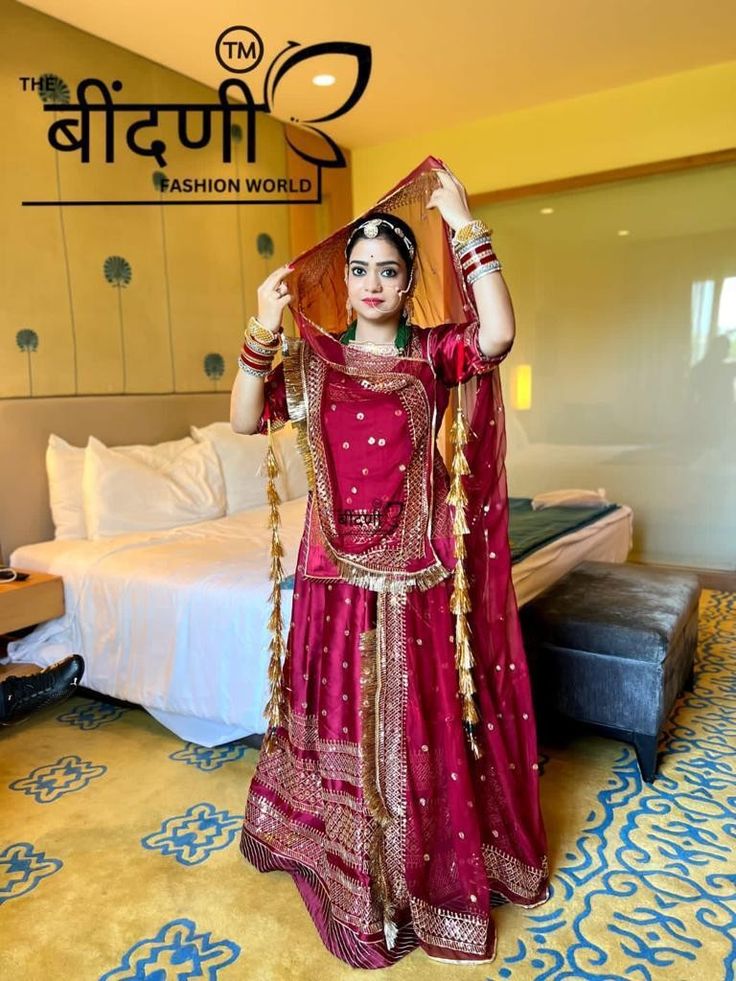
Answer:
(119, 856)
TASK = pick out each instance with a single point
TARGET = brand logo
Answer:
(379, 516)
(91, 125)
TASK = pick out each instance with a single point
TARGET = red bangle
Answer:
(479, 265)
(254, 360)
(258, 355)
(478, 256)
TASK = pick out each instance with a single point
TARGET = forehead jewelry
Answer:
(371, 229)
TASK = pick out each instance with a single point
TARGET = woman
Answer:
(398, 784)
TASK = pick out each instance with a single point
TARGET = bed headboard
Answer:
(25, 426)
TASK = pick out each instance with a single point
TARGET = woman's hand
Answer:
(451, 200)
(273, 296)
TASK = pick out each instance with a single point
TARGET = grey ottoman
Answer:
(612, 645)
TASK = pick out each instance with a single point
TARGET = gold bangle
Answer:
(466, 233)
(261, 334)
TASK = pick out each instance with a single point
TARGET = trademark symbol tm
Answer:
(239, 49)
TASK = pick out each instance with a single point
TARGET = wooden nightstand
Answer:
(24, 604)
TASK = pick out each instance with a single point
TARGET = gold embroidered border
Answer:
(387, 582)
(521, 879)
(368, 692)
(303, 731)
(347, 835)
(332, 796)
(340, 761)
(299, 842)
(446, 928)
(392, 696)
(352, 900)
(294, 383)
(368, 573)
(292, 778)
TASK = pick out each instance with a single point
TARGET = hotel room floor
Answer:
(119, 854)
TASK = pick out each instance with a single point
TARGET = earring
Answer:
(349, 311)
(408, 311)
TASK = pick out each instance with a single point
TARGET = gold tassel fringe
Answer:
(275, 709)
(296, 402)
(460, 599)
(386, 582)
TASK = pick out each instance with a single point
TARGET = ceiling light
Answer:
(623, 231)
(546, 211)
(323, 80)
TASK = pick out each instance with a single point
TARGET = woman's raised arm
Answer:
(492, 299)
(248, 393)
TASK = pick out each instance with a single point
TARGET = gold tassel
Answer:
(460, 600)
(274, 711)
(293, 364)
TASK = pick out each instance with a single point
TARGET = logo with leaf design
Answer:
(283, 79)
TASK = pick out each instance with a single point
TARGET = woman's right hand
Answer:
(273, 296)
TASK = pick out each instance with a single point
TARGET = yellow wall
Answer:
(194, 271)
(689, 113)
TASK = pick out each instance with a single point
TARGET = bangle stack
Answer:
(473, 248)
(259, 349)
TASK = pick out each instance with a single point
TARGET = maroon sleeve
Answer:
(455, 353)
(275, 407)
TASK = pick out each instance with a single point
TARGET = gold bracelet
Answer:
(261, 334)
(472, 230)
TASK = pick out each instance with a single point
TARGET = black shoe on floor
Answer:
(22, 694)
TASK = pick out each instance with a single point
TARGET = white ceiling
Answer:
(435, 63)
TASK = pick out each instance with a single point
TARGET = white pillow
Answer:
(572, 498)
(157, 455)
(243, 463)
(65, 468)
(291, 462)
(123, 494)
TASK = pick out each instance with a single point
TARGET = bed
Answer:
(175, 620)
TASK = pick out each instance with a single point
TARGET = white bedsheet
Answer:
(176, 620)
(173, 620)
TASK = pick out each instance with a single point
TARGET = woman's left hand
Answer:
(451, 200)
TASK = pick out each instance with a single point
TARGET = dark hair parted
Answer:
(385, 232)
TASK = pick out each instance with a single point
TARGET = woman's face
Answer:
(376, 273)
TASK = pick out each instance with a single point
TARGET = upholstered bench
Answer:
(612, 645)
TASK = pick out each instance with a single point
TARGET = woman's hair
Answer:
(387, 232)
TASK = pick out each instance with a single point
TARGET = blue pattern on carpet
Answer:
(22, 867)
(92, 715)
(193, 836)
(670, 844)
(50, 782)
(177, 953)
(644, 888)
(210, 757)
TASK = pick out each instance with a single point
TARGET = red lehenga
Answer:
(396, 835)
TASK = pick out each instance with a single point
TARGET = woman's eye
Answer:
(390, 273)
(357, 271)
